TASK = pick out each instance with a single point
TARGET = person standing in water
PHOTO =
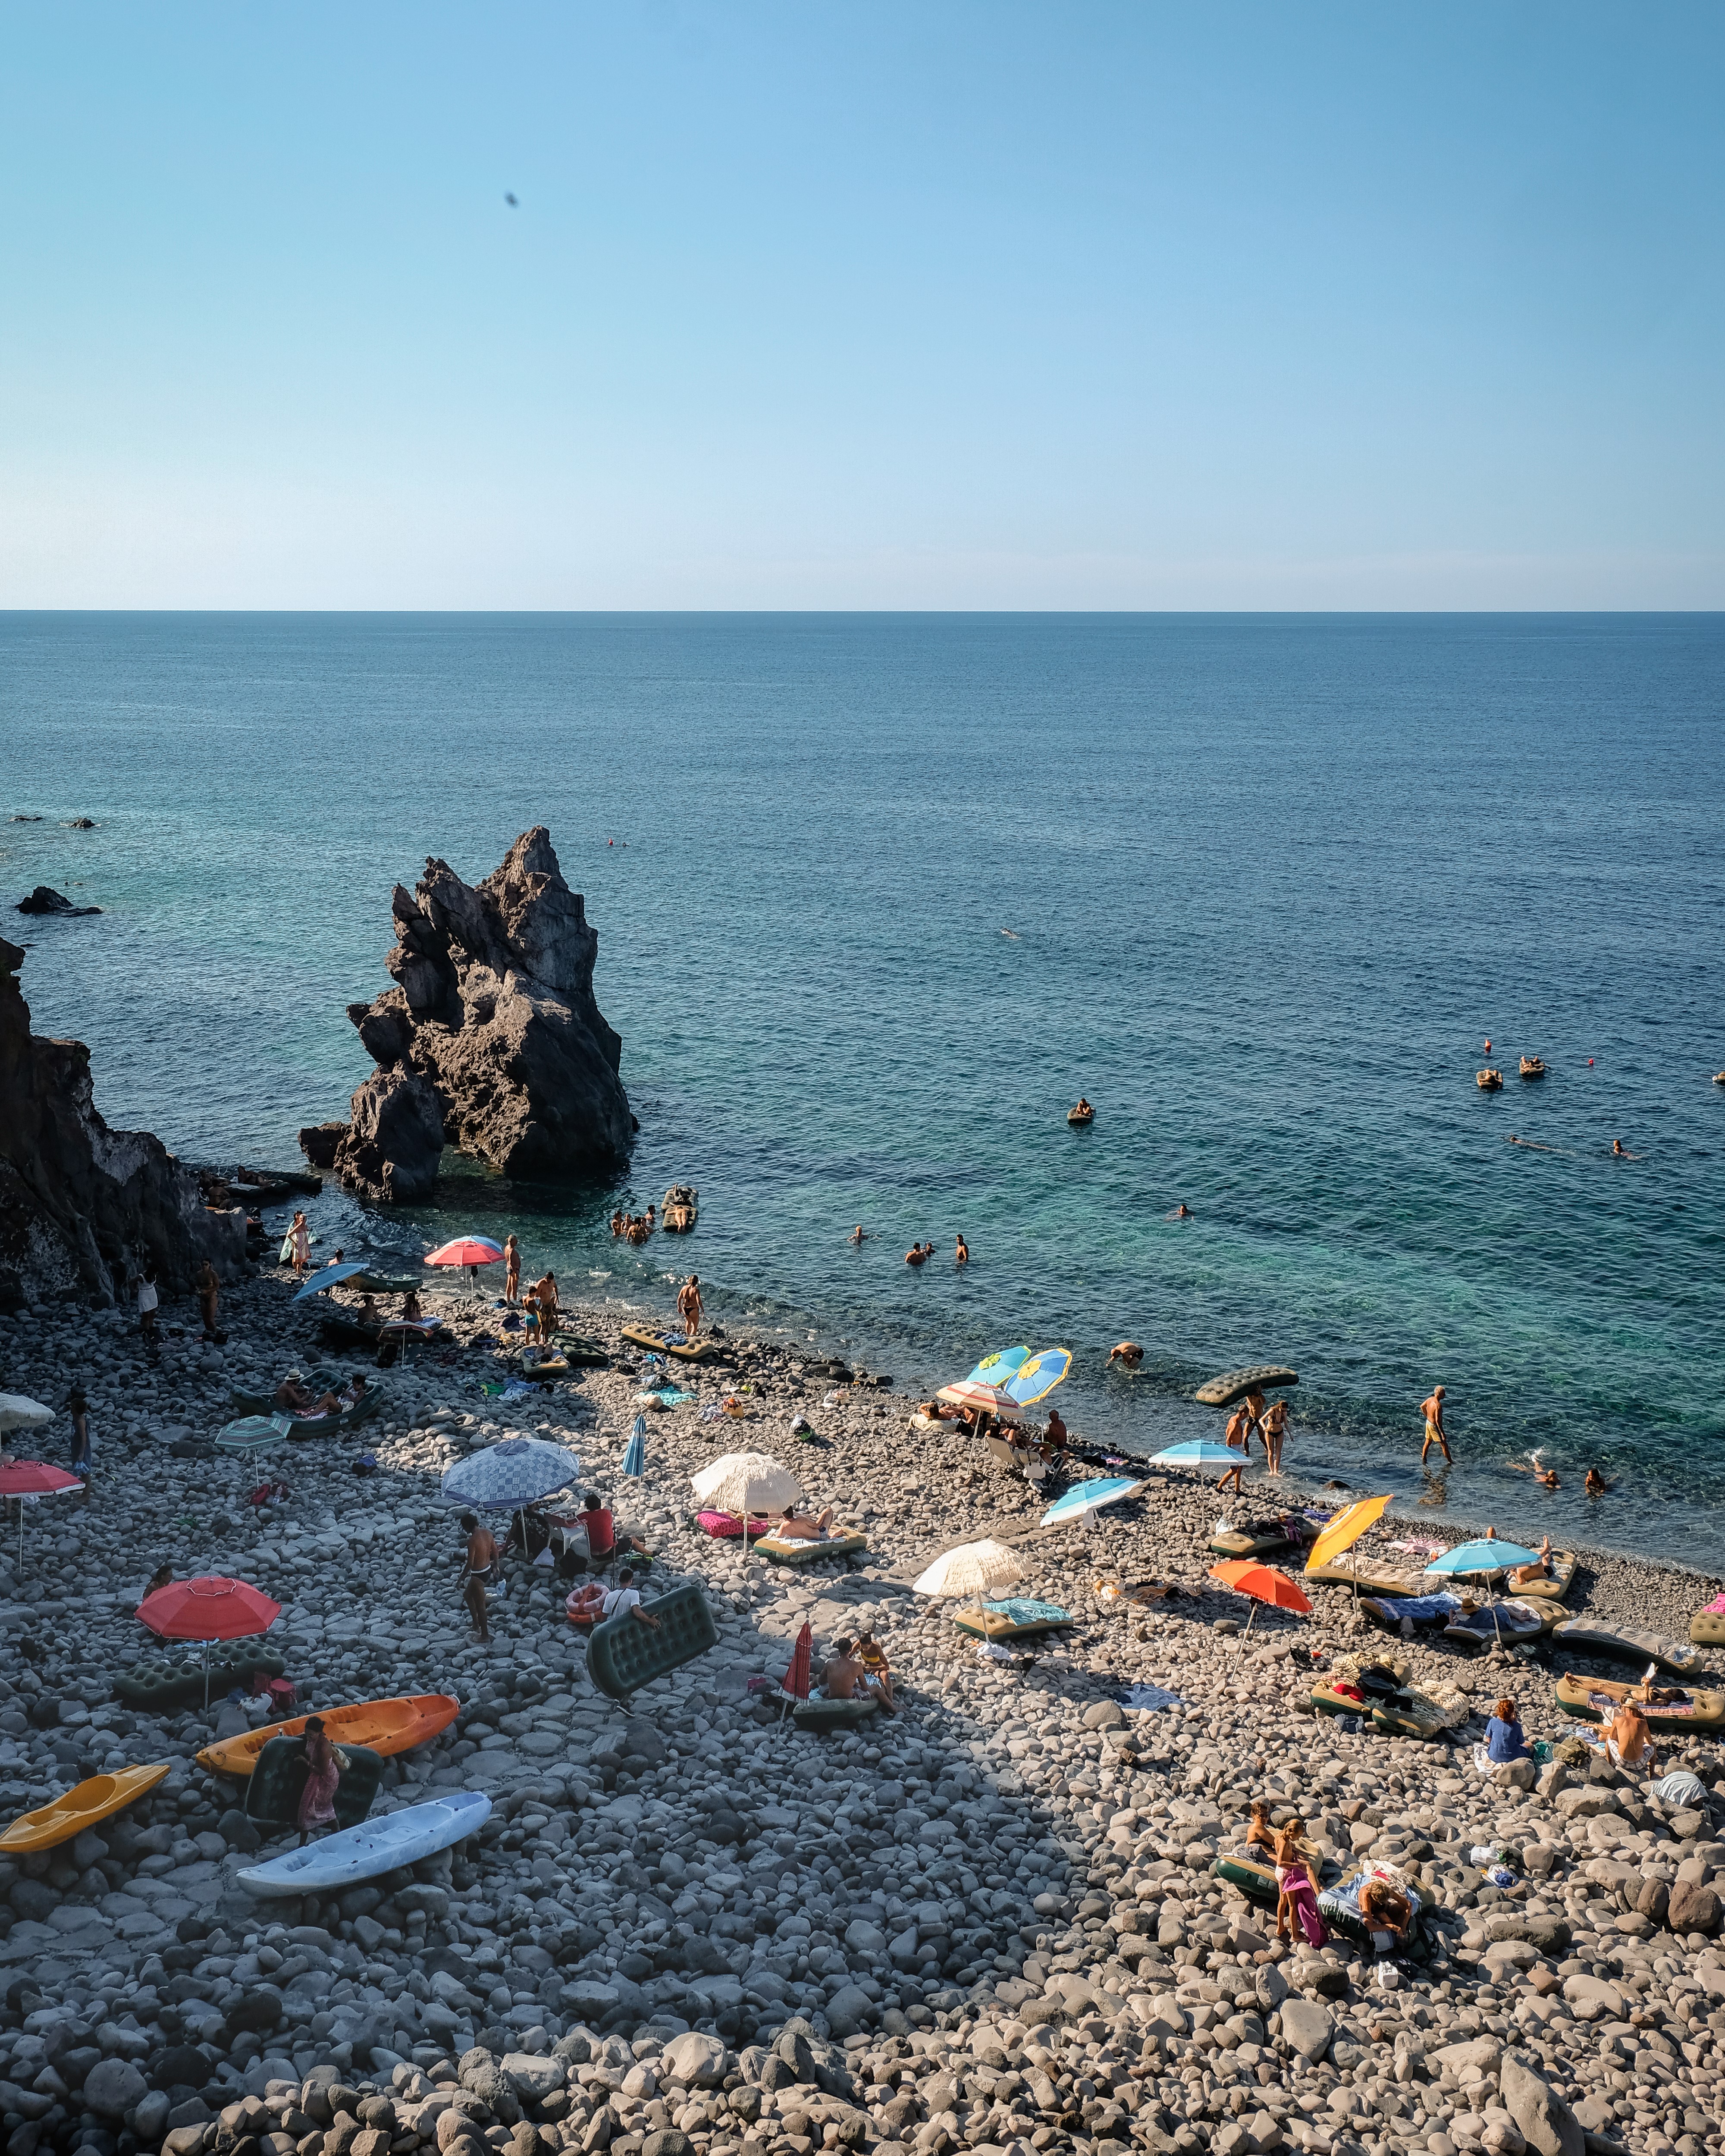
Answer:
(961, 1256)
(1273, 1429)
(1432, 1411)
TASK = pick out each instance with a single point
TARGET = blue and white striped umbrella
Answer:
(634, 1452)
(1197, 1452)
(519, 1470)
(1089, 1497)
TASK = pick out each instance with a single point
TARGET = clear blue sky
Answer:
(814, 305)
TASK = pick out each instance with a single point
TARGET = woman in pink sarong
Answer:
(1297, 1888)
(323, 1772)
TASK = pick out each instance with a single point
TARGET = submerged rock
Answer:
(491, 1040)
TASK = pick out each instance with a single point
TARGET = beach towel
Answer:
(1147, 1697)
(1021, 1610)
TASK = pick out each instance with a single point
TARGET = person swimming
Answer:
(1181, 1211)
(1595, 1484)
(856, 1234)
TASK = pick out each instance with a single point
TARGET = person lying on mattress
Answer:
(795, 1526)
(1540, 1569)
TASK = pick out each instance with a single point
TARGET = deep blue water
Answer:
(1270, 881)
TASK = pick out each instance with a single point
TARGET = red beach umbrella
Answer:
(467, 1250)
(34, 1478)
(207, 1609)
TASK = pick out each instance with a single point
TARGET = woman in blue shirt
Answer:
(1504, 1740)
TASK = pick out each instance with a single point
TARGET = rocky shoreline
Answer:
(989, 1923)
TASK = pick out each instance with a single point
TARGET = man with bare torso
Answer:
(1432, 1411)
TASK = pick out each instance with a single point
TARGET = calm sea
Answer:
(878, 896)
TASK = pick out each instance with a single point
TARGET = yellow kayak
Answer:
(98, 1799)
(383, 1725)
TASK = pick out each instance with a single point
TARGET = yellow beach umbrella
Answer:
(1344, 1531)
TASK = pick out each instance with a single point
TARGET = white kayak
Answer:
(380, 1845)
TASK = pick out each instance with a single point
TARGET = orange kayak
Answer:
(383, 1725)
(98, 1799)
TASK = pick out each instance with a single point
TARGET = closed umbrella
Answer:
(1087, 1498)
(27, 1480)
(1263, 1582)
(206, 1609)
(517, 1471)
(796, 1676)
(1196, 1452)
(634, 1452)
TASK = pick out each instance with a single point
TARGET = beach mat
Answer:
(798, 1551)
(1017, 1618)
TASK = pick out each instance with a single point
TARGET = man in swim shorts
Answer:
(1432, 1411)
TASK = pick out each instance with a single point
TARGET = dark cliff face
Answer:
(491, 1040)
(84, 1208)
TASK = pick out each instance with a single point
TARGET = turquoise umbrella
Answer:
(1197, 1452)
(331, 1276)
(634, 1452)
(1088, 1497)
(996, 1368)
(1485, 1555)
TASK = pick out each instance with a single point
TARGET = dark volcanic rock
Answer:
(491, 1040)
(42, 900)
(82, 1208)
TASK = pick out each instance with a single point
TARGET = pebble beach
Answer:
(990, 1922)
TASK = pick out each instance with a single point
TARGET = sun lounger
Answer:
(1588, 1635)
(1373, 1579)
(171, 1687)
(1255, 1880)
(1706, 1628)
(300, 1426)
(1555, 1584)
(622, 1655)
(821, 1714)
(1511, 1620)
(675, 1343)
(1417, 1609)
(1339, 1905)
(795, 1549)
(1263, 1538)
(1019, 1617)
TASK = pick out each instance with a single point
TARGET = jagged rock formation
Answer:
(490, 1041)
(43, 900)
(84, 1208)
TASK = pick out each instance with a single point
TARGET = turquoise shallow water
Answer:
(1270, 883)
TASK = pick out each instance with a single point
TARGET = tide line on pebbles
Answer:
(989, 1923)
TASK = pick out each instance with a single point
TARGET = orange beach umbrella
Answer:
(1263, 1583)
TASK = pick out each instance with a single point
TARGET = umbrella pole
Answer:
(206, 1677)
(1250, 1614)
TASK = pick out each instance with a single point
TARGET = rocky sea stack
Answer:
(490, 1041)
(84, 1208)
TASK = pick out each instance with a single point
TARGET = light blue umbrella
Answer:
(331, 1276)
(1483, 1556)
(634, 1452)
(1036, 1379)
(1088, 1497)
(519, 1470)
(995, 1369)
(1197, 1452)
